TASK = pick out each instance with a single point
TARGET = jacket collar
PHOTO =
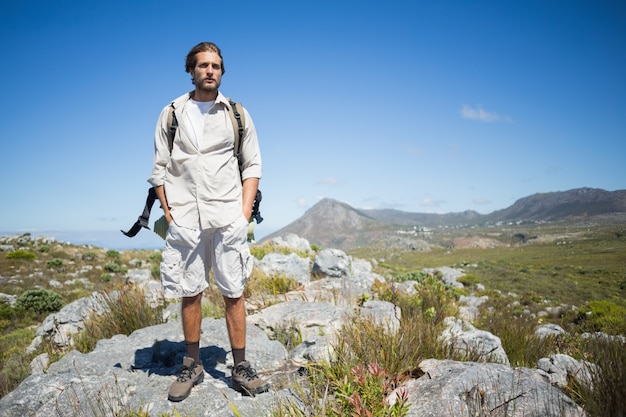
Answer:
(180, 101)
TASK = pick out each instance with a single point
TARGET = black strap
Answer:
(142, 221)
(239, 133)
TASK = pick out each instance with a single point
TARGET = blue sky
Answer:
(421, 106)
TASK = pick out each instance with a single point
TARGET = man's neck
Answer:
(203, 95)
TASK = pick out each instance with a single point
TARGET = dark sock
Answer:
(239, 355)
(193, 351)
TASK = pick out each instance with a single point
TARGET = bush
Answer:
(602, 316)
(112, 254)
(21, 254)
(39, 301)
(54, 263)
(89, 256)
(113, 267)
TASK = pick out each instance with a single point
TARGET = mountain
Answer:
(331, 223)
(579, 202)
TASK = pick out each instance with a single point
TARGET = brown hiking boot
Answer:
(190, 375)
(246, 381)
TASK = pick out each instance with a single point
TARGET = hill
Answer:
(331, 223)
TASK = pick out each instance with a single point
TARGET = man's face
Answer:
(207, 73)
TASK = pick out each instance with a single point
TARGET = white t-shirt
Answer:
(196, 112)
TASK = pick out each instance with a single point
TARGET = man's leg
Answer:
(192, 321)
(245, 378)
(192, 372)
(236, 325)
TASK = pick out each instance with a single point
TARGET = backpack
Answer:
(235, 111)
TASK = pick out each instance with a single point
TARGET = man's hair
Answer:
(191, 61)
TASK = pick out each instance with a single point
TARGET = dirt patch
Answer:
(476, 242)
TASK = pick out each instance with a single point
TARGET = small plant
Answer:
(44, 248)
(105, 277)
(21, 254)
(55, 263)
(113, 267)
(288, 335)
(39, 301)
(364, 393)
(89, 256)
(112, 254)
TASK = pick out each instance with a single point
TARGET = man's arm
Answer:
(250, 186)
(160, 192)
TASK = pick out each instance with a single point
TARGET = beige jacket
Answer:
(203, 185)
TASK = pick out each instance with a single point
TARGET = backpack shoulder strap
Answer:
(235, 111)
(172, 125)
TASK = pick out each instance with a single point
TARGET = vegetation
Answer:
(126, 311)
(573, 276)
(39, 301)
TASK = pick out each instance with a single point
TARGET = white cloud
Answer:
(328, 181)
(301, 202)
(478, 113)
(428, 202)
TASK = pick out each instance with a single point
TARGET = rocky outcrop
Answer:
(448, 388)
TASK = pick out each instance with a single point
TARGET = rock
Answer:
(8, 298)
(291, 266)
(292, 241)
(134, 372)
(549, 329)
(471, 342)
(559, 368)
(382, 313)
(332, 263)
(311, 319)
(449, 275)
(449, 388)
(469, 306)
(59, 327)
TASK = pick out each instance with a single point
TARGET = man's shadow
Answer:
(165, 357)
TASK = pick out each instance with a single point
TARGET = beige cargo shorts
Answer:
(190, 254)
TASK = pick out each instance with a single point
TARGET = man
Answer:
(207, 194)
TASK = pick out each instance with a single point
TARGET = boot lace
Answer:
(185, 374)
(249, 373)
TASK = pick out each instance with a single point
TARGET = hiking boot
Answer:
(190, 375)
(246, 381)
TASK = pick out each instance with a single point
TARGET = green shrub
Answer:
(21, 254)
(113, 267)
(602, 316)
(112, 254)
(54, 263)
(44, 248)
(39, 301)
(89, 256)
(105, 277)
